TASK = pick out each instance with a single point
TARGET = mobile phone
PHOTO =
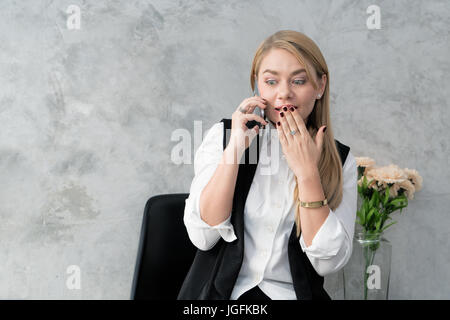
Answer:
(258, 111)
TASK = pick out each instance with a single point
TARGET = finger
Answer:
(253, 116)
(291, 124)
(251, 106)
(247, 108)
(257, 98)
(300, 123)
(245, 105)
(319, 138)
(260, 100)
(242, 109)
(285, 126)
(281, 135)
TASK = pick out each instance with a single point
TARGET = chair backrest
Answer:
(165, 251)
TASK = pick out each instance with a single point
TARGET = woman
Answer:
(297, 222)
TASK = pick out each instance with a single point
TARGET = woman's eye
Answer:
(298, 81)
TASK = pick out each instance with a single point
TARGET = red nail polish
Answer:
(295, 107)
(292, 109)
(278, 123)
(285, 108)
(282, 114)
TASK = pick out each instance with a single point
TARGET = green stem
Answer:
(367, 259)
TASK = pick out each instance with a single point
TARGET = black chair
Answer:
(165, 251)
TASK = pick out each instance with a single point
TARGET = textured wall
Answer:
(86, 118)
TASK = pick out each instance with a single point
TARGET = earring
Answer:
(318, 96)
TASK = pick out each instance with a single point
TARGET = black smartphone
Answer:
(258, 111)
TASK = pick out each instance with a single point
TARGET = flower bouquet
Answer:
(382, 191)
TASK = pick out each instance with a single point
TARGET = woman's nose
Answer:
(284, 91)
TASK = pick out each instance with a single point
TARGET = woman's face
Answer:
(281, 83)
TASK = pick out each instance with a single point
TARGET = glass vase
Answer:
(366, 274)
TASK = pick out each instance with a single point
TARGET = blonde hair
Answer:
(330, 166)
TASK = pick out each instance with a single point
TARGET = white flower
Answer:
(388, 174)
(364, 162)
(415, 178)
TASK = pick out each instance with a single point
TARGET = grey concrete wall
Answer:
(86, 118)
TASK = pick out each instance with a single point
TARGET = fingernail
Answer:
(292, 109)
(325, 129)
(285, 108)
(295, 107)
(282, 114)
(278, 123)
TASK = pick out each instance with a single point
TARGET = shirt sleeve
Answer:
(206, 160)
(331, 247)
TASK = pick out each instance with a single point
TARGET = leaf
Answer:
(365, 182)
(378, 224)
(388, 225)
(398, 203)
(370, 216)
(360, 217)
(378, 199)
(366, 206)
(363, 215)
(386, 196)
(374, 199)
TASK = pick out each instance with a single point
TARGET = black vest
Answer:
(214, 272)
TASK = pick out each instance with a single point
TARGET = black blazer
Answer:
(214, 272)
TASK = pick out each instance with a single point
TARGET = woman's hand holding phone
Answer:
(240, 118)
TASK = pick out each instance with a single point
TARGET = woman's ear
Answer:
(323, 84)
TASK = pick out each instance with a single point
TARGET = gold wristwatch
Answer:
(314, 204)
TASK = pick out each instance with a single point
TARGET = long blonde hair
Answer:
(330, 167)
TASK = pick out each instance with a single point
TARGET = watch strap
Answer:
(314, 204)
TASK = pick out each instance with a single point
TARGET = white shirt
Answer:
(269, 218)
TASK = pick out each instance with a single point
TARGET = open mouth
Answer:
(285, 107)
